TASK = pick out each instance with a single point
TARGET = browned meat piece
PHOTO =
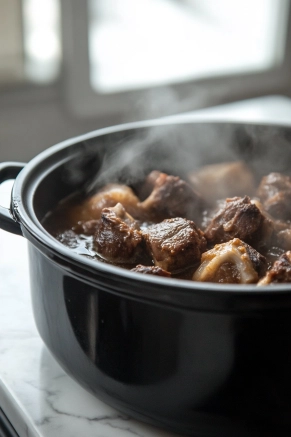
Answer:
(275, 194)
(239, 218)
(258, 260)
(218, 181)
(282, 235)
(233, 262)
(171, 197)
(107, 197)
(151, 270)
(175, 244)
(280, 271)
(148, 185)
(118, 238)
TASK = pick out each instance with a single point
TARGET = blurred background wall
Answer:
(71, 66)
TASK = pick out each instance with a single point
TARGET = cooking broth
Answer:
(219, 225)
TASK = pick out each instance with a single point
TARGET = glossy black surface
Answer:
(190, 371)
(9, 170)
(201, 359)
(6, 428)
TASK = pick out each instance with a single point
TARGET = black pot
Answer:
(196, 358)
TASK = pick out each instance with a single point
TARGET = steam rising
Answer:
(177, 148)
(165, 101)
(169, 148)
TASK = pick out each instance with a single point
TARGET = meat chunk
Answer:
(282, 235)
(148, 184)
(175, 244)
(107, 197)
(239, 218)
(218, 181)
(231, 262)
(118, 238)
(170, 197)
(275, 194)
(280, 271)
(151, 270)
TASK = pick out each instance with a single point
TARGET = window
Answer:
(42, 42)
(155, 42)
(31, 45)
(132, 59)
(124, 54)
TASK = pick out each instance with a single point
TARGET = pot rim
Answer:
(34, 231)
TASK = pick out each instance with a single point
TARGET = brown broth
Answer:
(59, 224)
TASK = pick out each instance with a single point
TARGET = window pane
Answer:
(42, 47)
(136, 44)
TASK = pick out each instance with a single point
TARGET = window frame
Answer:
(73, 86)
(84, 101)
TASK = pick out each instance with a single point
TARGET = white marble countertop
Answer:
(37, 396)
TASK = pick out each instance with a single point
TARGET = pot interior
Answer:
(127, 155)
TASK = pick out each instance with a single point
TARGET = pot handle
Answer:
(9, 170)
